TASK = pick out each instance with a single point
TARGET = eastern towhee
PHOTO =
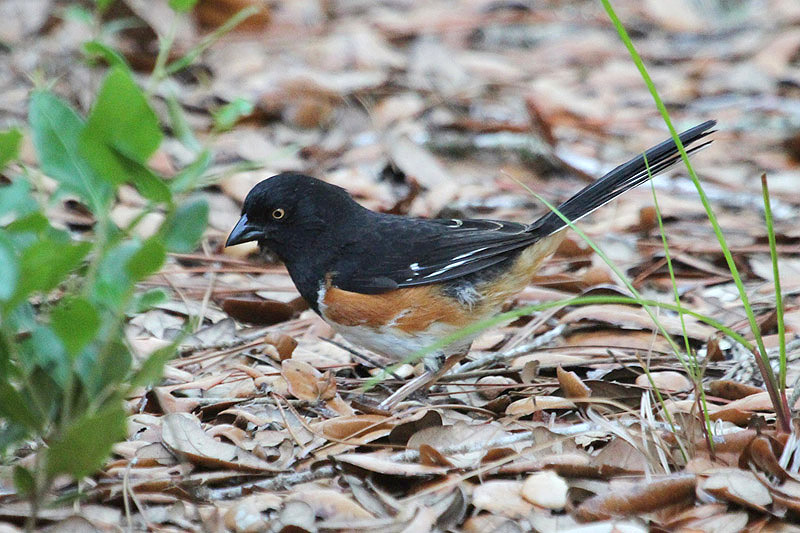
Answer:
(395, 284)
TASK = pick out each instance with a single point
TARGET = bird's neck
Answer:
(311, 261)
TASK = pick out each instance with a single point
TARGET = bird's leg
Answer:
(425, 380)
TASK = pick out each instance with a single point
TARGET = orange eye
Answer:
(278, 214)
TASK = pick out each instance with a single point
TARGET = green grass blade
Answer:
(773, 252)
(769, 377)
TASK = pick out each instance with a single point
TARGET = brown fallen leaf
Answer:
(412, 424)
(731, 390)
(490, 387)
(459, 434)
(732, 415)
(618, 338)
(666, 381)
(241, 251)
(597, 276)
(252, 311)
(546, 489)
(637, 499)
(489, 522)
(787, 494)
(346, 427)
(571, 384)
(756, 402)
(169, 403)
(574, 247)
(246, 514)
(693, 513)
(383, 464)
(502, 497)
(295, 515)
(737, 486)
(531, 405)
(183, 436)
(330, 504)
(619, 457)
(283, 343)
(735, 442)
(428, 455)
(721, 522)
(550, 359)
(675, 15)
(626, 316)
(306, 382)
(763, 452)
(154, 454)
(214, 13)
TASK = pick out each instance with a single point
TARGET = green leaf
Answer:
(188, 178)
(147, 300)
(15, 408)
(122, 118)
(9, 269)
(113, 282)
(147, 259)
(121, 134)
(182, 6)
(76, 322)
(123, 266)
(106, 369)
(228, 115)
(7, 349)
(153, 367)
(56, 135)
(44, 350)
(87, 442)
(24, 481)
(149, 185)
(185, 226)
(10, 435)
(96, 49)
(46, 394)
(21, 318)
(78, 13)
(102, 5)
(17, 198)
(34, 223)
(47, 263)
(180, 126)
(10, 141)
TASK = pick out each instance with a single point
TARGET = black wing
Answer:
(430, 251)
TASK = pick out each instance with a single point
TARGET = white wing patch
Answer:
(462, 256)
(447, 267)
(456, 261)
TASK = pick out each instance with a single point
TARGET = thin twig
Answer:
(490, 359)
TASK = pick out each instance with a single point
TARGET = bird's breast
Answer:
(395, 323)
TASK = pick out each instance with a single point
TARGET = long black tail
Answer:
(623, 178)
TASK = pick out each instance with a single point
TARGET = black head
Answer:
(290, 212)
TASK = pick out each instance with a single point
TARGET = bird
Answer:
(396, 285)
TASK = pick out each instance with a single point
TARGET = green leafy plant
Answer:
(65, 365)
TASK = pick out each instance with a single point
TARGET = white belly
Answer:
(393, 342)
(397, 344)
